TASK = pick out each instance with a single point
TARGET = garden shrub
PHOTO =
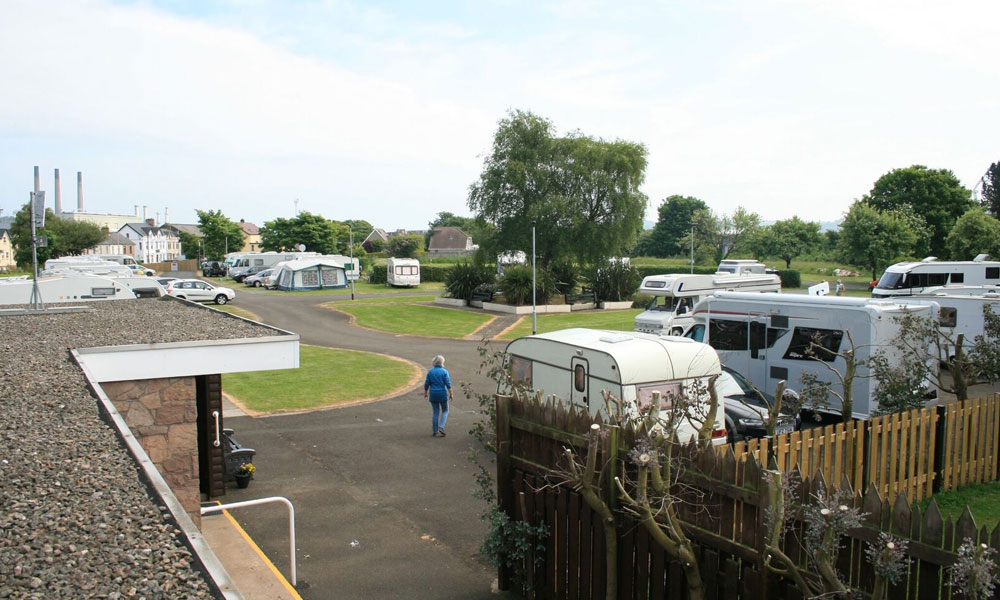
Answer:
(790, 278)
(464, 278)
(565, 274)
(515, 284)
(615, 282)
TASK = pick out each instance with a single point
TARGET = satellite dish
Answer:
(302, 247)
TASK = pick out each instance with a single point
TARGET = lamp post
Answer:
(350, 236)
(534, 310)
(692, 246)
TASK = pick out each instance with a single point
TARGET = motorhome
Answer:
(779, 337)
(71, 287)
(675, 295)
(141, 285)
(577, 365)
(402, 272)
(254, 262)
(961, 308)
(909, 278)
(741, 266)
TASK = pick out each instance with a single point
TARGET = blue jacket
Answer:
(438, 381)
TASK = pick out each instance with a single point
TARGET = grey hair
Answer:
(438, 361)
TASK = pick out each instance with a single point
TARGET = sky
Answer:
(384, 110)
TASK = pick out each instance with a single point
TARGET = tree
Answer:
(991, 190)
(874, 239)
(718, 237)
(934, 194)
(676, 213)
(787, 239)
(316, 233)
(404, 246)
(190, 245)
(65, 237)
(221, 234)
(974, 232)
(580, 193)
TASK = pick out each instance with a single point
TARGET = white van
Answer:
(70, 287)
(402, 272)
(577, 365)
(909, 278)
(675, 295)
(765, 337)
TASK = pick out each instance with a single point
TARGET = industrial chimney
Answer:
(156, 222)
(137, 211)
(79, 191)
(145, 212)
(58, 195)
(165, 217)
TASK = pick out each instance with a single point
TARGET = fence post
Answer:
(939, 449)
(505, 494)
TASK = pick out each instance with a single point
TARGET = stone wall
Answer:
(162, 414)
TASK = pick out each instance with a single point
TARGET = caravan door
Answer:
(580, 384)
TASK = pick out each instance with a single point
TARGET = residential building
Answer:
(6, 251)
(179, 228)
(152, 243)
(377, 236)
(115, 243)
(450, 240)
(251, 233)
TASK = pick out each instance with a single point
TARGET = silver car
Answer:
(200, 291)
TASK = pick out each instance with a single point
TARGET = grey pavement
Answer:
(383, 510)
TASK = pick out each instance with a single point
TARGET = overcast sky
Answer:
(384, 110)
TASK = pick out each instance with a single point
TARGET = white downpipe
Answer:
(291, 520)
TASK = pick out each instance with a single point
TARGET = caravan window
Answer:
(958, 277)
(992, 272)
(919, 280)
(805, 337)
(727, 335)
(520, 372)
(948, 316)
(406, 270)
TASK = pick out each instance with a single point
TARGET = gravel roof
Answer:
(75, 519)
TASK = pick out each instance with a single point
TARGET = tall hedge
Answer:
(790, 278)
(428, 273)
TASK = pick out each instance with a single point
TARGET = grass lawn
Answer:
(360, 287)
(326, 377)
(414, 319)
(983, 500)
(239, 312)
(617, 320)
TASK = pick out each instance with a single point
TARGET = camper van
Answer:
(675, 295)
(70, 287)
(765, 337)
(254, 262)
(909, 278)
(577, 365)
(402, 272)
(741, 266)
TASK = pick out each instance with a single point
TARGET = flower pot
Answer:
(242, 481)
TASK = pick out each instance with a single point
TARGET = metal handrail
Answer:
(291, 519)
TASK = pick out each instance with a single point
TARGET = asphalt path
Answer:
(383, 509)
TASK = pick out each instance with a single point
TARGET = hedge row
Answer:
(427, 273)
(790, 278)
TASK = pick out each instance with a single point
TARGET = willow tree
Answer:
(580, 193)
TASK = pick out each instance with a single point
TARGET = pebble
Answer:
(76, 520)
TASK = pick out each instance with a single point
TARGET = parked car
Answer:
(747, 408)
(141, 270)
(214, 268)
(259, 279)
(200, 291)
(165, 280)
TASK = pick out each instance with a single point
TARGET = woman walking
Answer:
(437, 389)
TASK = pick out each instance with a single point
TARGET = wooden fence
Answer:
(917, 452)
(724, 514)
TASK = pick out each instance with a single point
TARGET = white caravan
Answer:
(254, 262)
(142, 286)
(961, 308)
(909, 278)
(766, 337)
(402, 272)
(72, 287)
(577, 365)
(675, 295)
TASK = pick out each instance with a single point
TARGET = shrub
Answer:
(641, 301)
(790, 278)
(565, 274)
(377, 274)
(615, 282)
(464, 278)
(515, 284)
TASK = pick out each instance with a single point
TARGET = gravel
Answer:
(75, 519)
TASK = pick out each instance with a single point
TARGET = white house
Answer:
(152, 243)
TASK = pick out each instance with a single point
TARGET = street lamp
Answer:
(693, 223)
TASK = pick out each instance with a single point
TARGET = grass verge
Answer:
(326, 377)
(239, 312)
(414, 319)
(617, 320)
(983, 500)
(360, 287)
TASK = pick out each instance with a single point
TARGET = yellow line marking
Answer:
(262, 556)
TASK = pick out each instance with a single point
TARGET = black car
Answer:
(214, 268)
(747, 408)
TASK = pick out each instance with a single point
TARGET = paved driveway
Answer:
(383, 510)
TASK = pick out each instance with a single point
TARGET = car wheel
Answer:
(256, 284)
(730, 432)
(221, 299)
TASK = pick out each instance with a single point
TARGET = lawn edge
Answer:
(352, 320)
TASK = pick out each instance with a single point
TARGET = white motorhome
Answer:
(142, 286)
(402, 272)
(254, 262)
(766, 338)
(71, 287)
(741, 266)
(577, 365)
(961, 308)
(909, 278)
(675, 295)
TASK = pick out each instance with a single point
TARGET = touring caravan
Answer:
(402, 272)
(254, 262)
(577, 365)
(909, 278)
(142, 286)
(767, 337)
(64, 288)
(675, 295)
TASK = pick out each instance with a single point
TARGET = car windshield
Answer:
(739, 386)
(891, 281)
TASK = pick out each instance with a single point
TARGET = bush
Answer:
(515, 284)
(464, 278)
(565, 274)
(377, 274)
(641, 300)
(615, 282)
(790, 278)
